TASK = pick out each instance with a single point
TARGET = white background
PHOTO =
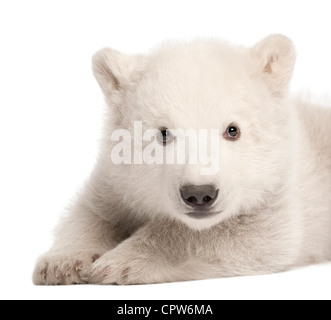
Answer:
(51, 111)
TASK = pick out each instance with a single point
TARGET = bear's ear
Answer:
(113, 70)
(274, 60)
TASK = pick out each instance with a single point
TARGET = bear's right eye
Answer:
(232, 132)
(165, 137)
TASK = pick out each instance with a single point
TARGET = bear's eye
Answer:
(165, 137)
(232, 132)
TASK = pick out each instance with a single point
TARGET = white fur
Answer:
(274, 182)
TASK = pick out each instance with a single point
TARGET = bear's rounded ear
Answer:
(112, 69)
(274, 60)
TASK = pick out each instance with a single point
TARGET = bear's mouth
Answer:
(202, 214)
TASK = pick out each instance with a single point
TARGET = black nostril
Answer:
(192, 200)
(198, 196)
(207, 199)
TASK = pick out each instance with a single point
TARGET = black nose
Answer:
(199, 196)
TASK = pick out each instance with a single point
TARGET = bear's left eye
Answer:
(165, 137)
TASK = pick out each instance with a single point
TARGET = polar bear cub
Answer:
(208, 168)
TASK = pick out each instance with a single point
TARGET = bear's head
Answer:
(228, 104)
